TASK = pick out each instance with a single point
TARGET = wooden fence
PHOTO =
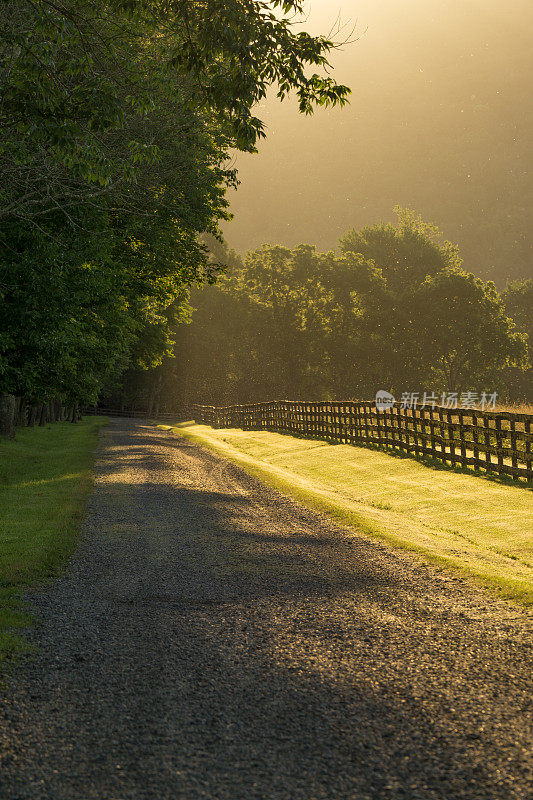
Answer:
(164, 416)
(494, 441)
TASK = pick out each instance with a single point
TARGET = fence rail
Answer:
(494, 441)
(164, 416)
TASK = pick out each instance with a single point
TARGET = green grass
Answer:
(481, 527)
(45, 477)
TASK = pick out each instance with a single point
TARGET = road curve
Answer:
(214, 639)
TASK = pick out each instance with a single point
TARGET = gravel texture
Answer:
(214, 639)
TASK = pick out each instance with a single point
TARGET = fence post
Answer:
(528, 453)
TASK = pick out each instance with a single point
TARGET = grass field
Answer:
(45, 477)
(480, 526)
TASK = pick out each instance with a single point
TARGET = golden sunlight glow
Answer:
(438, 122)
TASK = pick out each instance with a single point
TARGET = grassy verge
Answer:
(480, 527)
(45, 477)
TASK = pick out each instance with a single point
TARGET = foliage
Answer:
(118, 118)
(518, 301)
(406, 253)
(463, 331)
(392, 310)
(93, 92)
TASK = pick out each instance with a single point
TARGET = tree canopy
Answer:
(95, 93)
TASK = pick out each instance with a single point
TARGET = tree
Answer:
(405, 253)
(118, 119)
(301, 324)
(359, 337)
(518, 301)
(462, 332)
(91, 91)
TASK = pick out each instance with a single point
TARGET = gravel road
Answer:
(214, 639)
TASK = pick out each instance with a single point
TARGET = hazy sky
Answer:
(440, 120)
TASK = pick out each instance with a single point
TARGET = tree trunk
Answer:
(18, 403)
(32, 416)
(74, 417)
(24, 413)
(7, 415)
(155, 395)
(43, 415)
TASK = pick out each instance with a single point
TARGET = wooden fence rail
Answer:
(165, 416)
(494, 441)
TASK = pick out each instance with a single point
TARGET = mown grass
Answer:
(480, 527)
(45, 477)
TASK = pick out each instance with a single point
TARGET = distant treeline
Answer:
(392, 309)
